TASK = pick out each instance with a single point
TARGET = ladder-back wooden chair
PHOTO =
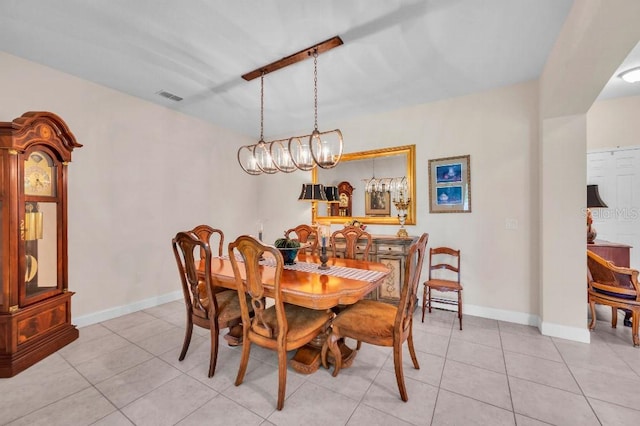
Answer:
(443, 258)
(280, 327)
(380, 323)
(204, 307)
(613, 286)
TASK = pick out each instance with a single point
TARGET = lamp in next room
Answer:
(313, 192)
(593, 201)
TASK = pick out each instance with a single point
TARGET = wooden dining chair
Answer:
(205, 307)
(280, 327)
(206, 233)
(613, 286)
(357, 242)
(443, 258)
(380, 323)
(305, 234)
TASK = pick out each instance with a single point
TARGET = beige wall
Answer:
(498, 129)
(613, 123)
(142, 164)
(594, 40)
(144, 173)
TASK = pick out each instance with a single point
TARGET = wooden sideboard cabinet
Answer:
(617, 253)
(391, 251)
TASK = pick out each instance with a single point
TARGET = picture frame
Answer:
(450, 185)
(377, 203)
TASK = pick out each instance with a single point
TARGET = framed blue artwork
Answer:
(450, 185)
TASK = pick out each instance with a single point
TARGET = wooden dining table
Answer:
(312, 288)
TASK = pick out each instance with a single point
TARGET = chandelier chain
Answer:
(315, 87)
(262, 107)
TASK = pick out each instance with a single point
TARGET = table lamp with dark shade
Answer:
(593, 201)
(313, 192)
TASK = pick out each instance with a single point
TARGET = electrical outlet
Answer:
(511, 223)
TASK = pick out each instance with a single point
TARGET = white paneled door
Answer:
(617, 174)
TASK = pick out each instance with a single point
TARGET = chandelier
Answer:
(322, 149)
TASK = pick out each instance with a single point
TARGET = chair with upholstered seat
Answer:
(209, 235)
(280, 327)
(205, 307)
(357, 242)
(305, 234)
(440, 259)
(613, 286)
(380, 323)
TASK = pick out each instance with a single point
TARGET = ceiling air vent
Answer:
(169, 95)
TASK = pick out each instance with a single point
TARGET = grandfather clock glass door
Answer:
(39, 228)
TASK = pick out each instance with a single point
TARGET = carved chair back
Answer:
(252, 251)
(352, 235)
(205, 233)
(195, 292)
(409, 293)
(305, 234)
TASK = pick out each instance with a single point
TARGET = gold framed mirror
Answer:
(356, 169)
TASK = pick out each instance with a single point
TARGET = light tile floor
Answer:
(125, 371)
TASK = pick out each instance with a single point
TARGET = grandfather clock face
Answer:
(39, 175)
(344, 200)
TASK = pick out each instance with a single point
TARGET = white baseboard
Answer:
(107, 314)
(576, 334)
(546, 329)
(492, 313)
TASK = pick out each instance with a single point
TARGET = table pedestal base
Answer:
(234, 336)
(307, 358)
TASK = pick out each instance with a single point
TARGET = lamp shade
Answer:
(312, 192)
(332, 194)
(593, 197)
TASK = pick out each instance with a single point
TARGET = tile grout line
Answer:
(444, 365)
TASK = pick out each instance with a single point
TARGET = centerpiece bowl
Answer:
(288, 248)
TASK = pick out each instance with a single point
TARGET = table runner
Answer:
(334, 271)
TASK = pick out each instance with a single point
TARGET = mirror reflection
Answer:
(373, 187)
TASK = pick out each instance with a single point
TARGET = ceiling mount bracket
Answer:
(296, 57)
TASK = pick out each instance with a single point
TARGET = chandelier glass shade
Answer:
(300, 151)
(281, 156)
(326, 148)
(262, 155)
(247, 161)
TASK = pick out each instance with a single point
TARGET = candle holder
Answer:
(323, 259)
(402, 206)
(324, 231)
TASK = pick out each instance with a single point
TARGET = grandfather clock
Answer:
(345, 195)
(35, 305)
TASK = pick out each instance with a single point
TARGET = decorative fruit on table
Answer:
(288, 248)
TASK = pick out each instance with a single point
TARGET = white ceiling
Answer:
(395, 53)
